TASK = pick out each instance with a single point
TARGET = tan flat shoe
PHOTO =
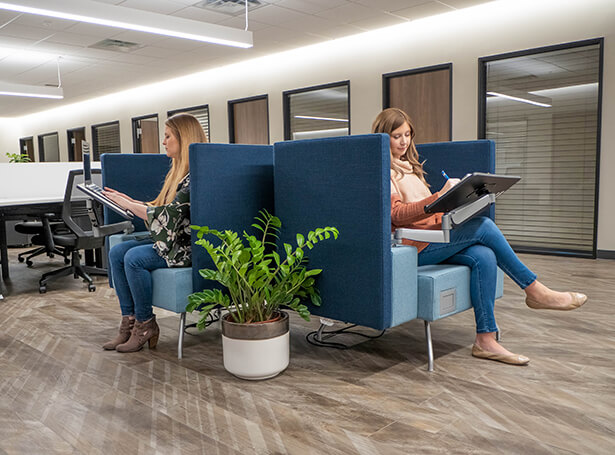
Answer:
(512, 359)
(578, 299)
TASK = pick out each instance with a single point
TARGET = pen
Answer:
(444, 175)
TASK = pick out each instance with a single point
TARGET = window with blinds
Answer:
(322, 111)
(542, 109)
(106, 139)
(200, 112)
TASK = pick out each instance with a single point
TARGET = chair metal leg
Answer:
(180, 340)
(429, 346)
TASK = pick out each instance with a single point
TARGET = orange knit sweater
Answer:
(409, 196)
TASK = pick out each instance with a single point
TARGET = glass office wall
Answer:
(321, 111)
(200, 112)
(542, 108)
(106, 139)
(48, 148)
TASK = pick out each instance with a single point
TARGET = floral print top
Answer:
(169, 226)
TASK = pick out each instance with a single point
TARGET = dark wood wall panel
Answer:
(426, 97)
(251, 122)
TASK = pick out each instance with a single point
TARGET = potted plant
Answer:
(258, 283)
(18, 158)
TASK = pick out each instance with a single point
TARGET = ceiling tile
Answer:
(378, 21)
(200, 14)
(347, 13)
(274, 15)
(155, 6)
(424, 10)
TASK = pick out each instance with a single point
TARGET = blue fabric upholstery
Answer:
(229, 184)
(171, 288)
(138, 175)
(457, 159)
(444, 290)
(404, 285)
(344, 182)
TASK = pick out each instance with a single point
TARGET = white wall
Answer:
(460, 37)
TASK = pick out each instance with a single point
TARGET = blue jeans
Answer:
(131, 265)
(480, 245)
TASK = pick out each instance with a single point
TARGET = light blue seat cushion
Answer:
(445, 290)
(171, 287)
(404, 285)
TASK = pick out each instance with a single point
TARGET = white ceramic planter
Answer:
(256, 351)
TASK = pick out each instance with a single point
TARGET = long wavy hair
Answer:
(388, 121)
(187, 129)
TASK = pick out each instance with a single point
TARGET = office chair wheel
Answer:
(91, 288)
(20, 259)
(29, 263)
(42, 289)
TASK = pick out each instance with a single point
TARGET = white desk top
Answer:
(30, 183)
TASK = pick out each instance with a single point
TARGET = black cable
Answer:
(311, 337)
(207, 324)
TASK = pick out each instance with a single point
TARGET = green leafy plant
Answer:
(257, 279)
(18, 158)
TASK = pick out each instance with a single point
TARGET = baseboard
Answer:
(605, 254)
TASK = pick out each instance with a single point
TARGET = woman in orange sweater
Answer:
(478, 243)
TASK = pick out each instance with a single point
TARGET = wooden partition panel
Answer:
(425, 94)
(249, 120)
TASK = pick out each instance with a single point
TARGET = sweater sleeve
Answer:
(407, 213)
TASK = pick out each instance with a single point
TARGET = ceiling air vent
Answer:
(230, 7)
(116, 45)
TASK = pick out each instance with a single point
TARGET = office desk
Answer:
(18, 209)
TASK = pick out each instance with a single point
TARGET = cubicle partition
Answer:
(229, 184)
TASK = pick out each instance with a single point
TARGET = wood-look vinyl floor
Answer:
(61, 393)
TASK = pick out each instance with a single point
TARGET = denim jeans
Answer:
(131, 265)
(480, 245)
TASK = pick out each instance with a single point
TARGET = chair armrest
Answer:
(115, 228)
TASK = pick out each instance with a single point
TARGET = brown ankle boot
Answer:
(142, 332)
(126, 326)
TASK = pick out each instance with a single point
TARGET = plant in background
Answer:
(257, 279)
(18, 158)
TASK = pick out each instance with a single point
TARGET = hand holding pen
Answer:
(449, 183)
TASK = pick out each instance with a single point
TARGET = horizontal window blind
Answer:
(201, 113)
(321, 112)
(542, 112)
(106, 139)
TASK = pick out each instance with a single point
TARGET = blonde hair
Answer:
(187, 129)
(388, 121)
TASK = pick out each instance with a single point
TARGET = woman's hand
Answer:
(109, 191)
(448, 185)
(119, 198)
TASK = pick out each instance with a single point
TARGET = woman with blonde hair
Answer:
(478, 243)
(168, 220)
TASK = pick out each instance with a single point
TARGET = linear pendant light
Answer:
(133, 19)
(34, 91)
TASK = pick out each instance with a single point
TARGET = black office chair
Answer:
(84, 219)
(42, 232)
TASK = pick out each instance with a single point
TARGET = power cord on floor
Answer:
(311, 337)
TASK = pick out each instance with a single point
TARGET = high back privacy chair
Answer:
(229, 184)
(345, 182)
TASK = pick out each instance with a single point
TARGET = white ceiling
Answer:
(277, 25)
